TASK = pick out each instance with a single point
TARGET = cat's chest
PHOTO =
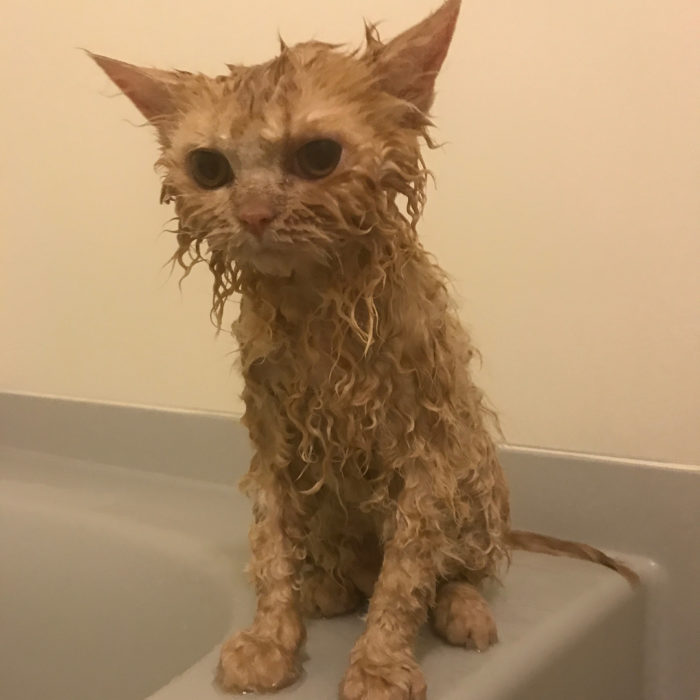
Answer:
(288, 368)
(289, 354)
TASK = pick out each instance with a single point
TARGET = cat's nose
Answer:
(256, 215)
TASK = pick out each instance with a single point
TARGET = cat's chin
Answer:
(276, 260)
(250, 254)
(272, 263)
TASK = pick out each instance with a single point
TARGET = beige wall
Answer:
(567, 209)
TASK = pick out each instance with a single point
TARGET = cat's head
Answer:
(298, 161)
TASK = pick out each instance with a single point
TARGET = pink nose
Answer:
(256, 215)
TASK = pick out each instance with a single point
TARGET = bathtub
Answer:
(122, 546)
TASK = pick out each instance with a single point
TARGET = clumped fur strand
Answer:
(375, 474)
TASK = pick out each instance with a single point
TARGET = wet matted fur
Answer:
(375, 472)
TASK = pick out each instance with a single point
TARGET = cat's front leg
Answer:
(265, 656)
(382, 664)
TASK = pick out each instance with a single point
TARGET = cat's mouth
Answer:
(265, 241)
(281, 253)
(269, 252)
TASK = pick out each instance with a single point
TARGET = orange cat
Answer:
(300, 183)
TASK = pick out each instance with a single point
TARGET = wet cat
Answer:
(300, 183)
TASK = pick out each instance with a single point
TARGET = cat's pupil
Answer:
(317, 158)
(209, 168)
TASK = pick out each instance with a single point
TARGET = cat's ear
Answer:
(408, 65)
(149, 89)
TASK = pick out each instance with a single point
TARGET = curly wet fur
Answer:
(357, 367)
(375, 471)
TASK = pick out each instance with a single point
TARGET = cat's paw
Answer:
(462, 617)
(323, 596)
(251, 662)
(390, 681)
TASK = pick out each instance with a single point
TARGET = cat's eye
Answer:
(317, 158)
(209, 168)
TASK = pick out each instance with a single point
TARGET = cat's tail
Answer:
(544, 544)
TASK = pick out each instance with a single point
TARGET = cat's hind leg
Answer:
(345, 588)
(342, 563)
(462, 617)
(324, 595)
